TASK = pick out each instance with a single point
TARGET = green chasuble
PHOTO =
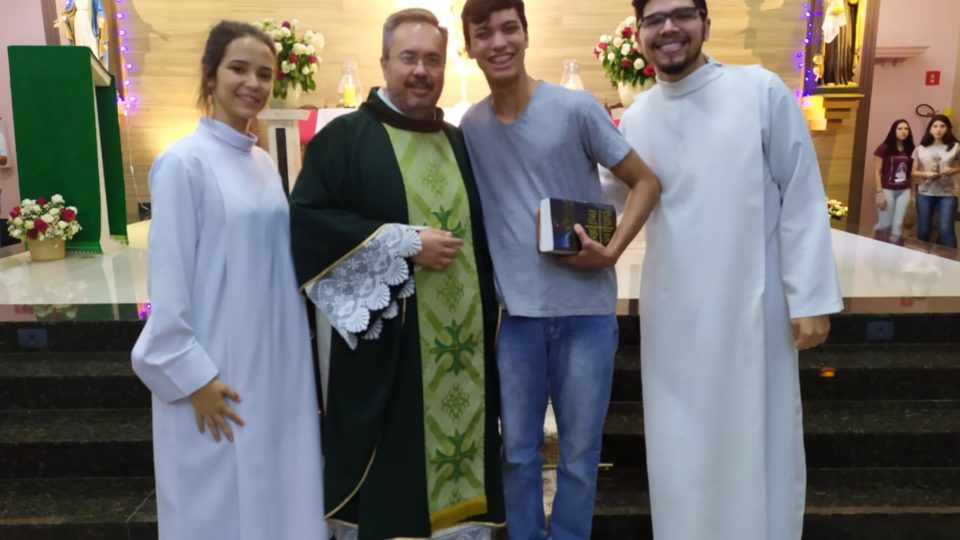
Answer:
(410, 434)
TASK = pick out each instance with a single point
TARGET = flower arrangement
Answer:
(621, 57)
(41, 219)
(55, 312)
(297, 56)
(837, 209)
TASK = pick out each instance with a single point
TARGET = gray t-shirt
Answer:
(938, 157)
(551, 150)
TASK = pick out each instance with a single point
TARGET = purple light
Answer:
(130, 102)
(809, 14)
(807, 41)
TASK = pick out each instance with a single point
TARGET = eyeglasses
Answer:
(430, 61)
(681, 15)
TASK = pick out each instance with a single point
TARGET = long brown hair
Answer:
(220, 37)
(949, 139)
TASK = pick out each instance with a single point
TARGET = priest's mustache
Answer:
(419, 83)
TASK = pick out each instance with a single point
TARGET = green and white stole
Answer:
(451, 331)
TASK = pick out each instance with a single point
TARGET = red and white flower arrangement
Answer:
(837, 209)
(40, 219)
(298, 56)
(621, 57)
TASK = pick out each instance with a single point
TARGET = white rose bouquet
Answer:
(297, 56)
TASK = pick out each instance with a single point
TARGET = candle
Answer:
(349, 95)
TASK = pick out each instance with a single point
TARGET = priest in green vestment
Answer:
(389, 245)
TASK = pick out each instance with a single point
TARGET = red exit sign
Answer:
(933, 78)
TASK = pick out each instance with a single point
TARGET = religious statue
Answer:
(841, 50)
(85, 22)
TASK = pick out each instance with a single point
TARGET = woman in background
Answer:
(893, 166)
(936, 168)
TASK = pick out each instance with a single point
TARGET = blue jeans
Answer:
(571, 359)
(947, 210)
(891, 218)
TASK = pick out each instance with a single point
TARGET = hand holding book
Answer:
(592, 255)
(577, 232)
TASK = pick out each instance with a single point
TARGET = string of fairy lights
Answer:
(126, 66)
(812, 11)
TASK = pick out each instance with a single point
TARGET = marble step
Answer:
(104, 379)
(627, 383)
(879, 504)
(858, 328)
(75, 443)
(120, 335)
(875, 504)
(888, 372)
(78, 509)
(77, 380)
(838, 434)
(77, 335)
(841, 372)
(117, 442)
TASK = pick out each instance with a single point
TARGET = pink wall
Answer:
(21, 24)
(898, 89)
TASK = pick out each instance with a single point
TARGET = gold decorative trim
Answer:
(448, 517)
(356, 489)
(478, 523)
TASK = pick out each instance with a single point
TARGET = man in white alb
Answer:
(738, 276)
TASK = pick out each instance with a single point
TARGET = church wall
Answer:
(898, 88)
(167, 37)
(21, 23)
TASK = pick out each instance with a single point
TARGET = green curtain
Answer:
(55, 113)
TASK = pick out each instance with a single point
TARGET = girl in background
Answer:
(893, 166)
(936, 168)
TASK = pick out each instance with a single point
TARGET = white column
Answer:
(283, 141)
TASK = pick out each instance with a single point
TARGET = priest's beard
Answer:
(680, 67)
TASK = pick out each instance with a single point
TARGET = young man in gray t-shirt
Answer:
(531, 140)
